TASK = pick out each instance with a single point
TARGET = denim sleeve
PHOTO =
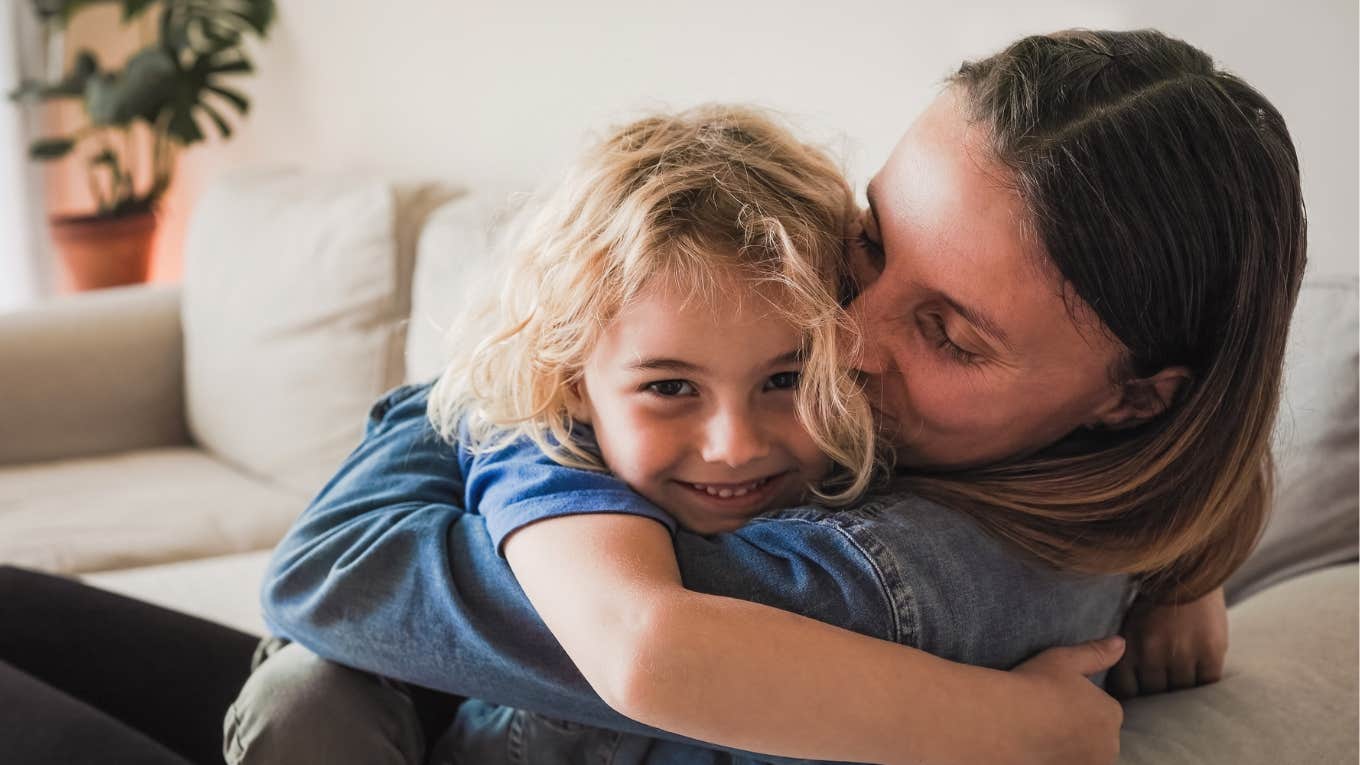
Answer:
(385, 572)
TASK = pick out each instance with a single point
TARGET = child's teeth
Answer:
(740, 491)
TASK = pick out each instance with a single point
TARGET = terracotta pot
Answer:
(105, 252)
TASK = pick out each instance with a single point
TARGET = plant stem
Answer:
(130, 151)
(101, 205)
(116, 190)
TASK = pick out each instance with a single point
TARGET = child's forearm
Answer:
(753, 677)
(747, 676)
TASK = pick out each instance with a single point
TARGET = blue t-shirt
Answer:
(518, 484)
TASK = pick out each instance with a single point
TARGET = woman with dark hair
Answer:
(1068, 266)
(1077, 270)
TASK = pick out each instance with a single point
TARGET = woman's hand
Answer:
(1172, 647)
(1065, 718)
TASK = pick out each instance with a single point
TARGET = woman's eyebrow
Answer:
(980, 320)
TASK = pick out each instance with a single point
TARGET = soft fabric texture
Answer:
(167, 675)
(223, 588)
(42, 725)
(135, 508)
(456, 264)
(296, 290)
(91, 374)
(1316, 518)
(1288, 693)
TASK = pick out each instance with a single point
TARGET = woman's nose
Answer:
(734, 438)
(863, 348)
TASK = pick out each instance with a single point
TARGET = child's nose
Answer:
(734, 438)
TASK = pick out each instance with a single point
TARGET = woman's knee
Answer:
(299, 708)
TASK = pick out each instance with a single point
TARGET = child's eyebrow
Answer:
(661, 363)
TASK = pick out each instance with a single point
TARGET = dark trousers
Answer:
(95, 662)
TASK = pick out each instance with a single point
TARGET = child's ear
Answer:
(578, 401)
(1136, 401)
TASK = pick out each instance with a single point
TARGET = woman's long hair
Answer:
(1166, 192)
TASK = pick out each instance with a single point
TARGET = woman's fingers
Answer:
(1209, 670)
(1181, 672)
(1122, 682)
(1152, 678)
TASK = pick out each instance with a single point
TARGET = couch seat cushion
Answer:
(225, 589)
(1288, 692)
(136, 508)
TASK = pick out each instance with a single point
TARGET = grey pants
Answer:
(298, 708)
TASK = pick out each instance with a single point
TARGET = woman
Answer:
(1070, 263)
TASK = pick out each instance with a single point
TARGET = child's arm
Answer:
(748, 676)
(1172, 647)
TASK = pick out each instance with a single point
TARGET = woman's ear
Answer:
(1137, 401)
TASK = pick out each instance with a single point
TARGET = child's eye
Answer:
(783, 381)
(671, 388)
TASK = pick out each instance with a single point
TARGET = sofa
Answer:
(157, 440)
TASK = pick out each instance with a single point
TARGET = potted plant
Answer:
(175, 87)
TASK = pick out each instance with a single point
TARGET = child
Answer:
(672, 315)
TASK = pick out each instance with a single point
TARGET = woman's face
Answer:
(971, 351)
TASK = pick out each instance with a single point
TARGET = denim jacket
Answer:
(386, 572)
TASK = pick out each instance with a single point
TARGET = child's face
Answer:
(693, 406)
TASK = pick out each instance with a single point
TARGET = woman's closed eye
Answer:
(671, 388)
(934, 328)
(873, 250)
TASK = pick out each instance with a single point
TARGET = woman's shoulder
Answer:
(965, 594)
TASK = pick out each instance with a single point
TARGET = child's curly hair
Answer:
(720, 201)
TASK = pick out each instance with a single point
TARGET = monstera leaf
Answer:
(177, 86)
(144, 88)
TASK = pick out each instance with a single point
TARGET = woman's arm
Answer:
(751, 677)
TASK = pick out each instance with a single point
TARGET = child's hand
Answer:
(1172, 647)
(1065, 718)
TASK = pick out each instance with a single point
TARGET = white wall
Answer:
(502, 92)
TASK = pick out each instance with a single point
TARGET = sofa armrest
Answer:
(92, 373)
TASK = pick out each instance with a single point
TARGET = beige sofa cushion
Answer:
(296, 288)
(1288, 692)
(225, 589)
(135, 508)
(456, 263)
